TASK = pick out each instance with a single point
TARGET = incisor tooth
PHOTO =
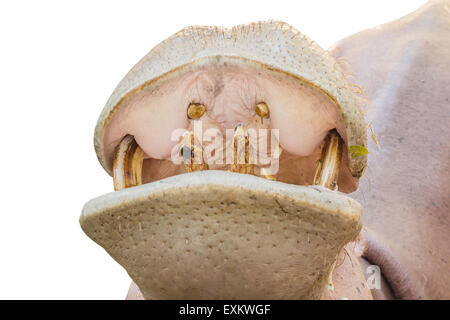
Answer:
(127, 166)
(278, 151)
(241, 151)
(189, 150)
(328, 168)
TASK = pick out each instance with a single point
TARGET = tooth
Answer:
(195, 111)
(264, 174)
(188, 151)
(262, 110)
(241, 154)
(127, 166)
(328, 169)
(278, 151)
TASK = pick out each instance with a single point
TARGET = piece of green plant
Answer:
(357, 150)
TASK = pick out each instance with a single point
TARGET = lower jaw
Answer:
(222, 235)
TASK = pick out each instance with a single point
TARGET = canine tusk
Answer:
(328, 169)
(127, 166)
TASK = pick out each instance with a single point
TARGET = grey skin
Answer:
(404, 67)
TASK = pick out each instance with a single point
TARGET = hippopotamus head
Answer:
(232, 151)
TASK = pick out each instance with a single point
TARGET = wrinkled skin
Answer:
(406, 197)
(401, 66)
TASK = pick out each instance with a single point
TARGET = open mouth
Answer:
(227, 149)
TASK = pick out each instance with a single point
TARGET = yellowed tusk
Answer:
(328, 169)
(127, 166)
(241, 151)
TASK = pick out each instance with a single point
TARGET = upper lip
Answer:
(193, 46)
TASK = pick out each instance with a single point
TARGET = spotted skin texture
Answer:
(221, 235)
(348, 281)
(403, 66)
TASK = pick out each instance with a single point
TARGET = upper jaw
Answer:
(302, 114)
(265, 46)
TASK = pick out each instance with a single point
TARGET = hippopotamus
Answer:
(237, 155)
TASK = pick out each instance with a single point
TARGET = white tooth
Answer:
(188, 144)
(278, 151)
(328, 168)
(127, 166)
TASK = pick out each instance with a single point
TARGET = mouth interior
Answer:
(129, 164)
(241, 104)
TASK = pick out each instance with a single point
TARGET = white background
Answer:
(59, 62)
